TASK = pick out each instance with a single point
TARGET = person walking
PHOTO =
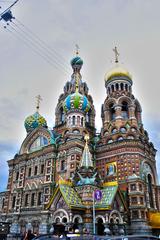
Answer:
(29, 235)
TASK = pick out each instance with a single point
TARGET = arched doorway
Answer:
(100, 227)
(59, 227)
(76, 222)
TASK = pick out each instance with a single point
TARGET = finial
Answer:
(116, 54)
(39, 99)
(77, 49)
(86, 138)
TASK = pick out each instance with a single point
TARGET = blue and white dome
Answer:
(76, 101)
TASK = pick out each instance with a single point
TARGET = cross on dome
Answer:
(116, 54)
(38, 99)
(77, 49)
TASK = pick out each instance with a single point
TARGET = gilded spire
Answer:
(116, 54)
(86, 160)
(39, 99)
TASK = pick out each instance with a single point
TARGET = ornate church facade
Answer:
(53, 179)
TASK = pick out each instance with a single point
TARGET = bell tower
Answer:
(120, 109)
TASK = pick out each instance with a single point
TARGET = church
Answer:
(73, 177)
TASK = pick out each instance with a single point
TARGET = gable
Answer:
(37, 139)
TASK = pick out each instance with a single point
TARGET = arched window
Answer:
(39, 198)
(29, 171)
(38, 143)
(126, 87)
(61, 115)
(33, 199)
(78, 120)
(17, 175)
(117, 86)
(88, 116)
(73, 120)
(13, 201)
(82, 121)
(63, 165)
(69, 121)
(26, 202)
(112, 87)
(35, 170)
(122, 86)
(149, 178)
(112, 112)
(125, 114)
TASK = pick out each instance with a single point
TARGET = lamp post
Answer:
(97, 195)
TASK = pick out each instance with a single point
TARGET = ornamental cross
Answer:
(116, 54)
(39, 99)
(77, 49)
(86, 138)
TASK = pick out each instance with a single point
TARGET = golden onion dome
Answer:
(117, 71)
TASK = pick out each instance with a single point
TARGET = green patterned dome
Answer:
(34, 121)
(76, 101)
(76, 61)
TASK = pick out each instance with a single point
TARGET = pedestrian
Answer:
(29, 235)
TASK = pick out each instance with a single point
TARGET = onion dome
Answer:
(76, 101)
(34, 121)
(117, 71)
(76, 63)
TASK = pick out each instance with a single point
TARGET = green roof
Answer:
(108, 194)
(71, 196)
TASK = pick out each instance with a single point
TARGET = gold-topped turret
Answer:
(117, 70)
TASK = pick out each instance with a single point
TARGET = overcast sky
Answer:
(28, 67)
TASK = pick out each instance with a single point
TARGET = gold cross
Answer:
(77, 49)
(116, 54)
(39, 99)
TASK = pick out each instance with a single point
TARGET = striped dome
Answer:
(76, 101)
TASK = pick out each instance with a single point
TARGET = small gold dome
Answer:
(117, 71)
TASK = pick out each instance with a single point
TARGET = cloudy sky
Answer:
(35, 58)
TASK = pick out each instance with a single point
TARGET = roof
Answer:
(73, 199)
(71, 196)
(108, 195)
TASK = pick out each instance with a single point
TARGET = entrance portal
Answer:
(59, 228)
(100, 227)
